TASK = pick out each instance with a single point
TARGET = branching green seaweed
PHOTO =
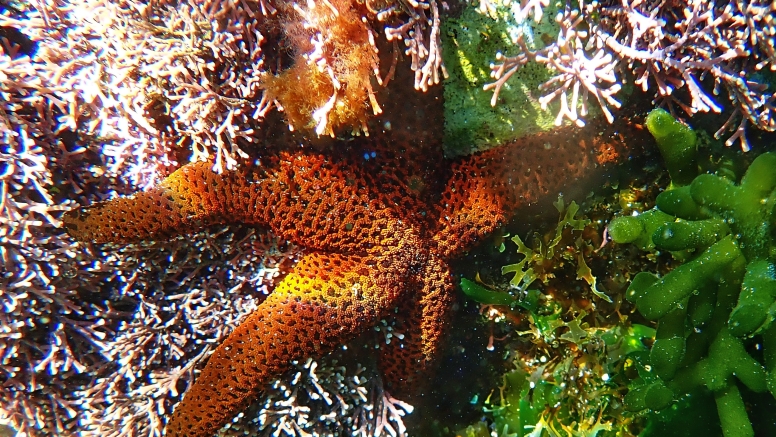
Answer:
(540, 261)
(677, 143)
(571, 368)
(714, 307)
(576, 393)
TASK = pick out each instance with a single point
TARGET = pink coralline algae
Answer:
(692, 54)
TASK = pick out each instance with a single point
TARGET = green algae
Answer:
(720, 298)
(638, 229)
(668, 292)
(539, 261)
(710, 364)
(528, 300)
(682, 235)
(470, 43)
(537, 402)
(483, 295)
(572, 380)
(677, 144)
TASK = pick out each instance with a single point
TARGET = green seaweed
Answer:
(668, 292)
(677, 144)
(679, 203)
(483, 295)
(721, 298)
(572, 384)
(540, 260)
(537, 403)
(638, 229)
(683, 235)
(480, 294)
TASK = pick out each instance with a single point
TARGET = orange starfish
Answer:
(380, 233)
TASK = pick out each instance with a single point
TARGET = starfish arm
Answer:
(307, 199)
(422, 319)
(486, 189)
(475, 204)
(189, 199)
(326, 300)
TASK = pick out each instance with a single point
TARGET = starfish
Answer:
(379, 233)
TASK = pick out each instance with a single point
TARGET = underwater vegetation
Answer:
(698, 353)
(721, 301)
(554, 62)
(665, 48)
(469, 43)
(569, 346)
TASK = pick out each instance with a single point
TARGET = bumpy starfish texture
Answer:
(380, 234)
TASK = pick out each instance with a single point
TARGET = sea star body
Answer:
(380, 234)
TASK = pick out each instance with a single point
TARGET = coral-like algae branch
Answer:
(179, 81)
(329, 84)
(329, 87)
(669, 47)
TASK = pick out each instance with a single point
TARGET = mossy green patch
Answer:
(469, 46)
